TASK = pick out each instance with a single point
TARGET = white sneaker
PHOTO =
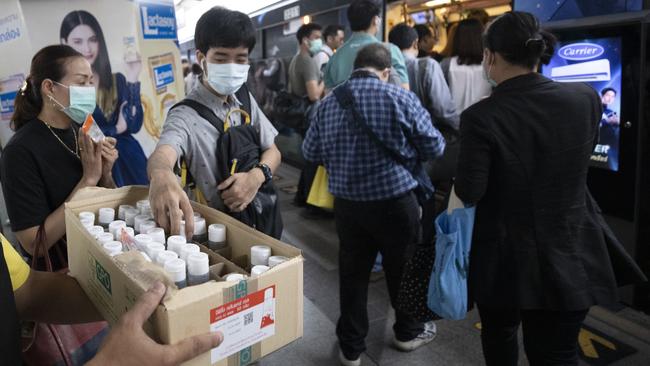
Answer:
(346, 362)
(423, 338)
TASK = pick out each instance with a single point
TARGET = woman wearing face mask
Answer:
(538, 257)
(50, 158)
(119, 110)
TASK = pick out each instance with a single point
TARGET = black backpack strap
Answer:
(203, 111)
(345, 98)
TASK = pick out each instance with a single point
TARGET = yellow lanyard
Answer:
(244, 114)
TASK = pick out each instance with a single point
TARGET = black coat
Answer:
(524, 158)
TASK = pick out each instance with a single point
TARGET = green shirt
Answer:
(341, 65)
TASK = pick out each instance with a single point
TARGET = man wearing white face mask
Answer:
(304, 74)
(224, 40)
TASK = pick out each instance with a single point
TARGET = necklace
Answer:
(76, 142)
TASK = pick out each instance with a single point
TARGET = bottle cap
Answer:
(113, 248)
(188, 249)
(106, 215)
(129, 215)
(87, 222)
(234, 277)
(198, 264)
(176, 268)
(153, 248)
(105, 238)
(87, 215)
(274, 260)
(138, 220)
(258, 270)
(217, 233)
(164, 256)
(95, 231)
(199, 226)
(121, 211)
(157, 233)
(114, 226)
(197, 215)
(144, 206)
(260, 255)
(146, 226)
(141, 241)
(175, 243)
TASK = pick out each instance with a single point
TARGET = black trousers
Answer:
(307, 176)
(390, 227)
(550, 337)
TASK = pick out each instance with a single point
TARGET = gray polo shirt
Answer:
(195, 139)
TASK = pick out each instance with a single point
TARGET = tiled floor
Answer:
(457, 343)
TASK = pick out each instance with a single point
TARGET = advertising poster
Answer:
(598, 63)
(133, 50)
(14, 41)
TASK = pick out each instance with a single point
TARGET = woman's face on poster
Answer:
(84, 40)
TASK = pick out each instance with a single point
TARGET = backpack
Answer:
(242, 143)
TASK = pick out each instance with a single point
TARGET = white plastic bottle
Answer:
(198, 269)
(274, 260)
(175, 243)
(114, 228)
(153, 249)
(104, 238)
(129, 216)
(188, 249)
(260, 255)
(87, 215)
(121, 211)
(113, 248)
(234, 277)
(164, 256)
(146, 226)
(200, 230)
(95, 231)
(144, 206)
(258, 270)
(177, 270)
(87, 222)
(106, 216)
(138, 220)
(142, 240)
(157, 234)
(217, 236)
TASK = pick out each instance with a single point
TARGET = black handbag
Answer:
(291, 110)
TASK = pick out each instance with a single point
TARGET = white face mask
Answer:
(486, 73)
(226, 79)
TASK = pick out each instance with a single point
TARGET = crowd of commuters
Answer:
(392, 123)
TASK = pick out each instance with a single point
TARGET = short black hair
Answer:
(423, 31)
(518, 38)
(196, 69)
(375, 55)
(604, 91)
(402, 36)
(361, 13)
(305, 31)
(332, 30)
(220, 27)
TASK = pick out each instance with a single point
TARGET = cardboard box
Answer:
(114, 284)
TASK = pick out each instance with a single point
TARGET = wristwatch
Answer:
(268, 175)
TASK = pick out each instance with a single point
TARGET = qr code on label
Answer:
(248, 318)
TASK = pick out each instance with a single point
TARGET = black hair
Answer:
(468, 42)
(604, 91)
(402, 36)
(518, 38)
(375, 55)
(332, 30)
(306, 30)
(423, 31)
(220, 27)
(361, 13)
(102, 64)
(479, 14)
(48, 63)
(196, 69)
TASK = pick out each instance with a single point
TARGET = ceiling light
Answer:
(434, 3)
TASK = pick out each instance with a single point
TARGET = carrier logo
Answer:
(581, 51)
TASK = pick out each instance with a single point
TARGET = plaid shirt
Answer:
(358, 169)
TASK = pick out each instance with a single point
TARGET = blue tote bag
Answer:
(447, 295)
